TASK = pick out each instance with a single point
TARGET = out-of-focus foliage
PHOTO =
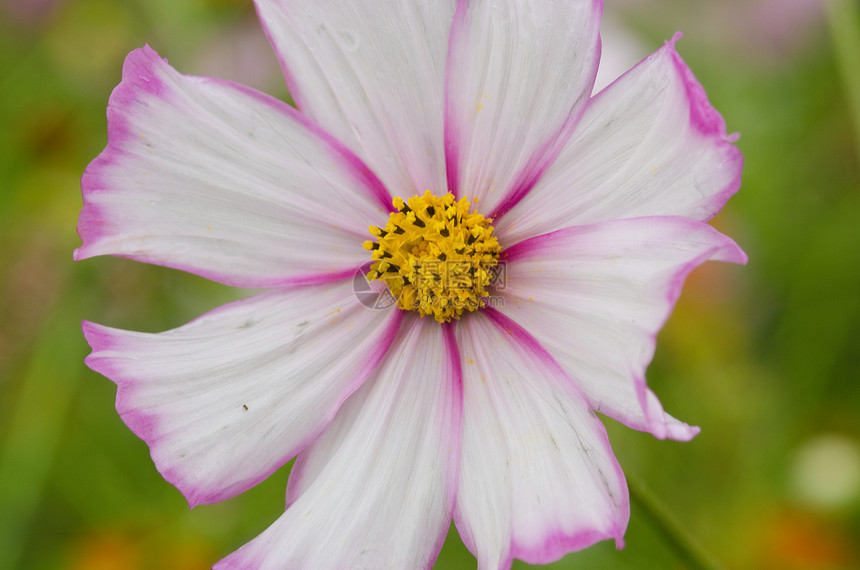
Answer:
(764, 358)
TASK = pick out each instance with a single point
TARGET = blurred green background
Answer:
(766, 358)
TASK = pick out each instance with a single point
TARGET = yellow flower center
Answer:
(435, 257)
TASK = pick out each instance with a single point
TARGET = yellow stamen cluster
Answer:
(435, 256)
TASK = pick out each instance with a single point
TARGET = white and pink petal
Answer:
(228, 398)
(377, 489)
(650, 144)
(220, 180)
(595, 297)
(538, 478)
(519, 75)
(371, 73)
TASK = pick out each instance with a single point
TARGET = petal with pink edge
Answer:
(596, 296)
(219, 180)
(537, 476)
(650, 144)
(226, 399)
(376, 490)
(519, 75)
(371, 73)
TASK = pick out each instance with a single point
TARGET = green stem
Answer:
(675, 535)
(844, 20)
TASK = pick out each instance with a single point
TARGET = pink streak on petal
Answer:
(374, 409)
(100, 340)
(558, 544)
(297, 473)
(703, 121)
(360, 375)
(290, 79)
(709, 122)
(727, 250)
(548, 152)
(363, 174)
(543, 156)
(724, 250)
(528, 246)
(138, 76)
(455, 373)
(145, 426)
(537, 165)
(451, 139)
(702, 114)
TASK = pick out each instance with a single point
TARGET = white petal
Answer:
(371, 73)
(228, 398)
(596, 296)
(225, 182)
(519, 74)
(376, 490)
(650, 144)
(537, 476)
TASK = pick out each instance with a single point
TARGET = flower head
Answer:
(534, 237)
(435, 256)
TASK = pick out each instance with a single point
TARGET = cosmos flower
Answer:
(534, 239)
